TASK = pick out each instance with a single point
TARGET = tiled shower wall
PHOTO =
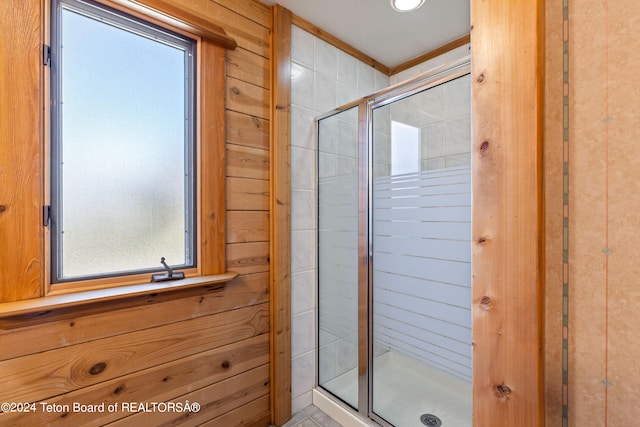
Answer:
(322, 78)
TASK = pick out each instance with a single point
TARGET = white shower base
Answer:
(404, 389)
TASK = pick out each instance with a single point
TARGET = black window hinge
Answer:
(46, 215)
(46, 55)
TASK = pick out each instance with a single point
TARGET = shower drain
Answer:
(430, 420)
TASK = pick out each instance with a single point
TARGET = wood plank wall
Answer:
(507, 41)
(205, 346)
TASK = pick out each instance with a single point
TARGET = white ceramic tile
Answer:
(457, 100)
(347, 139)
(381, 169)
(432, 105)
(347, 92)
(382, 148)
(302, 46)
(382, 120)
(380, 80)
(401, 76)
(302, 374)
(347, 69)
(451, 56)
(435, 163)
(406, 112)
(326, 337)
(328, 135)
(326, 58)
(346, 356)
(327, 165)
(327, 363)
(433, 140)
(326, 93)
(458, 160)
(303, 168)
(365, 79)
(302, 86)
(303, 127)
(303, 333)
(458, 136)
(303, 250)
(458, 53)
(301, 402)
(303, 209)
(303, 291)
(346, 166)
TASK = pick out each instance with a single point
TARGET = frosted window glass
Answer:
(123, 164)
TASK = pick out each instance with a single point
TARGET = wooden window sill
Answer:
(82, 298)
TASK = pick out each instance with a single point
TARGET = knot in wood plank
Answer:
(503, 392)
(98, 368)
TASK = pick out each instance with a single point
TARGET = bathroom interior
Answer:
(441, 239)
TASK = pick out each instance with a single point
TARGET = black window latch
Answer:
(169, 275)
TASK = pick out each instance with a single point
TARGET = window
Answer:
(405, 148)
(123, 154)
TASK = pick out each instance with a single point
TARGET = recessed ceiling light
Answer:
(406, 5)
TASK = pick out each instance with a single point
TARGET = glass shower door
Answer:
(338, 365)
(420, 237)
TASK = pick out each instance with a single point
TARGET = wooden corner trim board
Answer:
(280, 206)
(507, 81)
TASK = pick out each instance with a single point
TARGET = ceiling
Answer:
(377, 30)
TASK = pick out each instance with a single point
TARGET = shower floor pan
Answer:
(404, 390)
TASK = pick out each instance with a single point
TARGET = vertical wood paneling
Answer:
(212, 161)
(21, 199)
(508, 51)
(280, 205)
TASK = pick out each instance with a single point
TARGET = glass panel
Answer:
(338, 255)
(421, 243)
(124, 174)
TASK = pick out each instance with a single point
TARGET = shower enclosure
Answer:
(394, 252)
